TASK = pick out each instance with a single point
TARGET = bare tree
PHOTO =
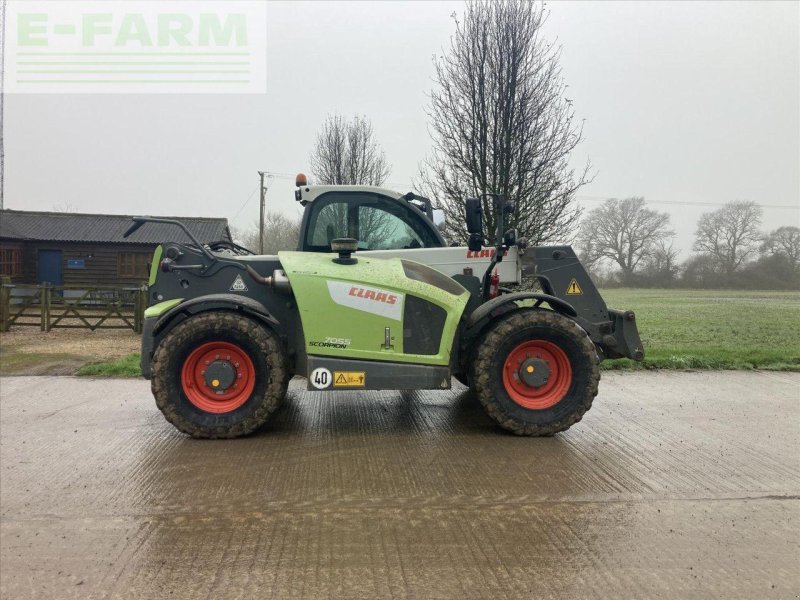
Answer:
(346, 153)
(661, 268)
(784, 241)
(627, 233)
(501, 123)
(664, 258)
(730, 235)
(280, 233)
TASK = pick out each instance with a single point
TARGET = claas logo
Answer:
(373, 295)
(485, 253)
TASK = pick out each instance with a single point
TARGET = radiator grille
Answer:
(423, 323)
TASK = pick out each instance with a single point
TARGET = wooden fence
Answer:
(51, 307)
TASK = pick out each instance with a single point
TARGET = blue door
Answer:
(49, 268)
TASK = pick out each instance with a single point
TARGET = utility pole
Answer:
(261, 214)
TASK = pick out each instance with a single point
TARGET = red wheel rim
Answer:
(550, 392)
(200, 392)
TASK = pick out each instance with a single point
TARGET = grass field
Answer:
(127, 366)
(680, 329)
(713, 329)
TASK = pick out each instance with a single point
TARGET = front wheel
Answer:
(219, 375)
(536, 372)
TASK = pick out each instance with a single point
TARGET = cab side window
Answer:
(329, 223)
(382, 230)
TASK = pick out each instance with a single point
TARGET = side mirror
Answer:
(439, 220)
(474, 216)
(475, 242)
(502, 204)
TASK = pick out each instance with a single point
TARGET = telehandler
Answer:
(226, 330)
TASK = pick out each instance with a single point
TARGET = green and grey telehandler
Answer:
(226, 330)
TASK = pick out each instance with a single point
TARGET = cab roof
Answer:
(309, 193)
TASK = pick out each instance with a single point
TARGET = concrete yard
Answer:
(675, 485)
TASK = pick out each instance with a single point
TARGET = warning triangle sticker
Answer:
(238, 285)
(573, 289)
(341, 378)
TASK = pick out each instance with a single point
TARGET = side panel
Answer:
(343, 374)
(358, 311)
(562, 275)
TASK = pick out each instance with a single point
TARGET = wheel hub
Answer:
(534, 372)
(537, 374)
(220, 375)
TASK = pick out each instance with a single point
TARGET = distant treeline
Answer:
(763, 273)
(624, 243)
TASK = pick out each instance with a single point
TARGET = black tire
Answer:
(507, 334)
(259, 343)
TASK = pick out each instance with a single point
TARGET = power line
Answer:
(276, 175)
(241, 208)
(291, 176)
(398, 185)
(683, 202)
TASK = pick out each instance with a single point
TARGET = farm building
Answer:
(88, 249)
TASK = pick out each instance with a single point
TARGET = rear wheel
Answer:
(219, 375)
(536, 372)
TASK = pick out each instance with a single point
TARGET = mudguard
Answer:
(488, 308)
(200, 304)
(155, 328)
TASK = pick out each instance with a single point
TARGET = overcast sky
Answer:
(688, 104)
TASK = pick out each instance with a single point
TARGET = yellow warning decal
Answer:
(573, 289)
(349, 379)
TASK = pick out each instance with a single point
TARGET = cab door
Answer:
(378, 223)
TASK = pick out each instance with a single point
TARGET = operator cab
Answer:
(379, 219)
